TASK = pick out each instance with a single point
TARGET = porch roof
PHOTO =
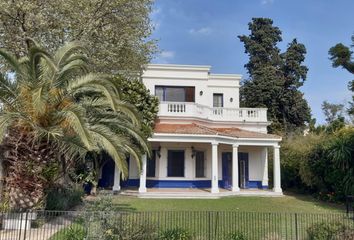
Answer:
(196, 129)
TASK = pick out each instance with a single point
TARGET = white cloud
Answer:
(155, 17)
(167, 54)
(202, 31)
(165, 57)
(266, 2)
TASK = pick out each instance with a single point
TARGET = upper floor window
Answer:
(175, 94)
(218, 100)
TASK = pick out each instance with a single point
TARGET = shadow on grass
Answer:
(318, 203)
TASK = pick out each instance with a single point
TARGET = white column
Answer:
(214, 168)
(235, 186)
(265, 166)
(276, 169)
(116, 185)
(142, 186)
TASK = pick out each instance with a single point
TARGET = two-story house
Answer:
(202, 138)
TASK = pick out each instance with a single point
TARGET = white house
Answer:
(202, 138)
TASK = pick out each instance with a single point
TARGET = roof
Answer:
(197, 129)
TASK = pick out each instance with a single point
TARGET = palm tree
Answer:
(53, 111)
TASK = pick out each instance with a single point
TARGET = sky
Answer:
(204, 32)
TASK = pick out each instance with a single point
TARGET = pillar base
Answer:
(277, 190)
(235, 189)
(215, 190)
(116, 188)
(142, 190)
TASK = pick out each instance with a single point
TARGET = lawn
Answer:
(287, 204)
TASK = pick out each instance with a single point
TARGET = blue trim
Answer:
(256, 184)
(130, 183)
(178, 183)
(184, 183)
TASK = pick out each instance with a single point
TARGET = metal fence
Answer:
(77, 225)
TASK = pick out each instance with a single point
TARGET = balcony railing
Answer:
(185, 109)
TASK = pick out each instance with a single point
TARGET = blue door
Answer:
(226, 170)
(243, 169)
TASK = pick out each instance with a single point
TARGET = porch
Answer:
(209, 163)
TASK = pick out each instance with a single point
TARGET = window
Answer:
(175, 164)
(218, 100)
(175, 94)
(199, 164)
(151, 165)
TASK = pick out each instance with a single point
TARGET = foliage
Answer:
(236, 236)
(325, 230)
(54, 110)
(341, 56)
(332, 111)
(136, 93)
(321, 163)
(117, 33)
(112, 227)
(175, 234)
(275, 78)
(102, 204)
(63, 198)
(75, 232)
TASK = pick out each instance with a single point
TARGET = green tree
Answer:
(135, 92)
(332, 111)
(117, 32)
(342, 56)
(274, 77)
(54, 111)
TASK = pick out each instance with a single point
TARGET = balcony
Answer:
(194, 110)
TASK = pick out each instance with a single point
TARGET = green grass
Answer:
(286, 204)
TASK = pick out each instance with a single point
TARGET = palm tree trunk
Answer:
(26, 162)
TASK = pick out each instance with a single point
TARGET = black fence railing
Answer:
(43, 225)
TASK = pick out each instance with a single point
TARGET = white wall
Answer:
(197, 76)
(256, 163)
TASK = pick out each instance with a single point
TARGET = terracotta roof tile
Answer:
(203, 130)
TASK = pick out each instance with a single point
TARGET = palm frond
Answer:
(73, 117)
(112, 144)
(11, 60)
(66, 52)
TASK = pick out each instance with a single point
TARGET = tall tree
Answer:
(342, 56)
(53, 112)
(116, 32)
(332, 111)
(274, 77)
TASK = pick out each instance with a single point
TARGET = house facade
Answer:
(202, 138)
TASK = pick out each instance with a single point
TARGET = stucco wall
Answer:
(257, 168)
(200, 79)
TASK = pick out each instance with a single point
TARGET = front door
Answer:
(226, 170)
(243, 169)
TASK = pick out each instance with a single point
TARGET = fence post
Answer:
(209, 225)
(296, 228)
(216, 224)
(25, 231)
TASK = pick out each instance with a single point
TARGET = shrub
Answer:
(111, 226)
(175, 234)
(75, 232)
(325, 230)
(61, 198)
(236, 236)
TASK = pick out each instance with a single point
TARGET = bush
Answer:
(236, 236)
(325, 230)
(75, 232)
(111, 226)
(175, 234)
(62, 199)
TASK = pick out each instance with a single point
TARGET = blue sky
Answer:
(205, 32)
